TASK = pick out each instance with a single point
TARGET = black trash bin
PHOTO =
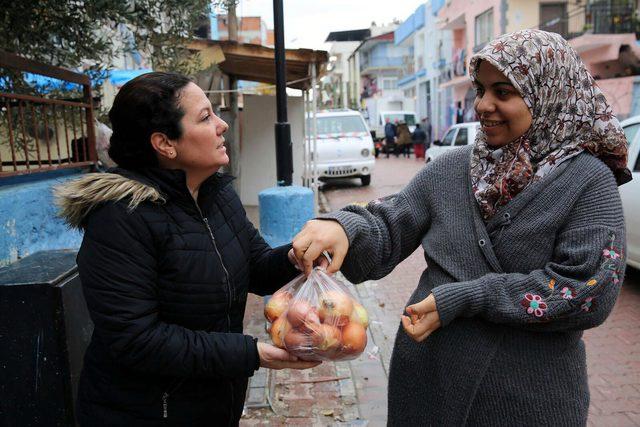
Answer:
(44, 331)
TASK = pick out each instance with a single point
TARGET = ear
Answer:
(163, 145)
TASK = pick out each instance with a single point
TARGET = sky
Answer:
(307, 23)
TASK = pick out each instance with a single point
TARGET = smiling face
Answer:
(504, 116)
(200, 150)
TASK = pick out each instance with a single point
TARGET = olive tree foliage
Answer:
(89, 34)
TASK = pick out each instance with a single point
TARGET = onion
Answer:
(360, 315)
(298, 343)
(277, 305)
(298, 312)
(335, 308)
(354, 338)
(278, 331)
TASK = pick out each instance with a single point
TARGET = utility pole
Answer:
(284, 154)
(232, 135)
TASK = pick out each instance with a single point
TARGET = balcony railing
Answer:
(381, 62)
(594, 18)
(455, 68)
(39, 134)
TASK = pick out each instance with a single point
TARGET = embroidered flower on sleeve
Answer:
(567, 292)
(610, 253)
(588, 304)
(615, 278)
(534, 304)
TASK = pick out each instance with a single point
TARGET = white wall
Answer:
(258, 150)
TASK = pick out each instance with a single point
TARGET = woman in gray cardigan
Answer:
(524, 239)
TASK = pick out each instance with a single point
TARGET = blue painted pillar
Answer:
(283, 212)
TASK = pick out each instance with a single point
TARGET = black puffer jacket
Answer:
(166, 284)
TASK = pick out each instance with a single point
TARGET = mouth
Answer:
(220, 146)
(491, 123)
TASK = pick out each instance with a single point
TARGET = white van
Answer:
(345, 147)
(458, 135)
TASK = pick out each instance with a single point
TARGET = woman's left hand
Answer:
(423, 319)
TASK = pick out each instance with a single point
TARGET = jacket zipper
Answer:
(226, 273)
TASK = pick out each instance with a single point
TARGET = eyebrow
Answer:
(496, 84)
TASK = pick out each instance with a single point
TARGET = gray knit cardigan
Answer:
(514, 294)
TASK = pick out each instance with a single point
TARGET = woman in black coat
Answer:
(166, 262)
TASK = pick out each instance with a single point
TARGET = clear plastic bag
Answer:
(317, 318)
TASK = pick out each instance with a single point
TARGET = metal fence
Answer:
(40, 133)
(594, 18)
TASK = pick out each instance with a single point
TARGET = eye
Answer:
(502, 92)
(206, 117)
(479, 91)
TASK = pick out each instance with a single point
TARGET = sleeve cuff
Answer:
(459, 299)
(347, 220)
(253, 357)
(289, 270)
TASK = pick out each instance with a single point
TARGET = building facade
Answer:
(428, 46)
(380, 63)
(341, 83)
(603, 33)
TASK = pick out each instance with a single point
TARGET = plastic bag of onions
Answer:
(317, 318)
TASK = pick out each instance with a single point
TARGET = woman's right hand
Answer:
(273, 357)
(316, 237)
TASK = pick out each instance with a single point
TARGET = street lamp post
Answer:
(284, 155)
(286, 208)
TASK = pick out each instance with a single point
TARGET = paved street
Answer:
(354, 393)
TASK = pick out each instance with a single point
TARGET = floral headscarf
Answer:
(570, 115)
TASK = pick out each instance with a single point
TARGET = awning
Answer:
(120, 77)
(257, 63)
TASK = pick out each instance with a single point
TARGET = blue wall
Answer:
(384, 55)
(28, 217)
(411, 24)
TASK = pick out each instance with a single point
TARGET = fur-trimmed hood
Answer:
(77, 198)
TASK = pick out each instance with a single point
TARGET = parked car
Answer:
(345, 147)
(630, 192)
(458, 135)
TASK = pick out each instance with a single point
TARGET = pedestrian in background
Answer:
(419, 138)
(523, 235)
(166, 261)
(389, 136)
(459, 113)
(428, 129)
(404, 140)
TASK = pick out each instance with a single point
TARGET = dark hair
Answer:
(147, 104)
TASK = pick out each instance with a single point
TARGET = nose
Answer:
(221, 126)
(484, 105)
